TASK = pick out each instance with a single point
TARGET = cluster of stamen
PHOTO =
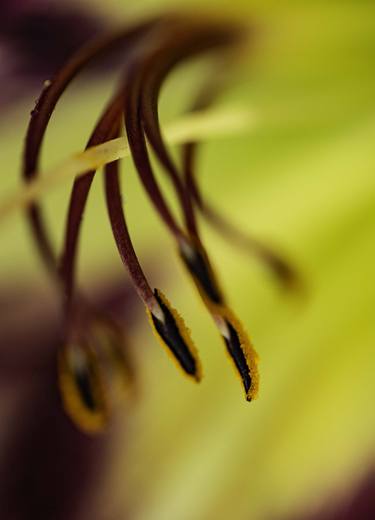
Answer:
(91, 353)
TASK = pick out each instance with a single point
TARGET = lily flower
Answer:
(301, 172)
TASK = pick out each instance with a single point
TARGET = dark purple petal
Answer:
(48, 468)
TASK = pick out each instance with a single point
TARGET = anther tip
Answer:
(173, 334)
(241, 352)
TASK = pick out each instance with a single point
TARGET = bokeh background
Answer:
(302, 179)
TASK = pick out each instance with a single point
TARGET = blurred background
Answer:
(301, 178)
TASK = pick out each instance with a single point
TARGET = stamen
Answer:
(122, 237)
(167, 325)
(237, 342)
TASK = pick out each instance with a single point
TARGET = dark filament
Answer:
(78, 199)
(40, 118)
(186, 43)
(121, 233)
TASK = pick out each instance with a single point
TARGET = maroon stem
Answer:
(121, 232)
(78, 199)
(137, 143)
